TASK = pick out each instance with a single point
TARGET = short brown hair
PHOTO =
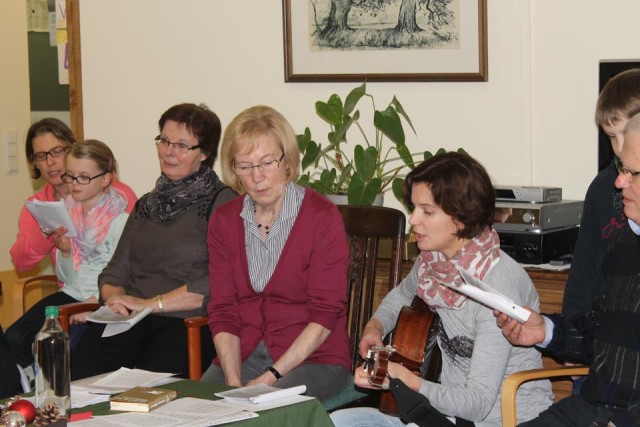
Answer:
(619, 98)
(460, 186)
(203, 123)
(55, 127)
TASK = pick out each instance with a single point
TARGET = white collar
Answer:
(635, 227)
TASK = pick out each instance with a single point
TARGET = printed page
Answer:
(184, 412)
(125, 378)
(478, 290)
(260, 397)
(51, 215)
(116, 323)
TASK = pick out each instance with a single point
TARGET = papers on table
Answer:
(125, 379)
(261, 397)
(51, 215)
(116, 323)
(187, 411)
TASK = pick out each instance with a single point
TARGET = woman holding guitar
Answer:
(453, 204)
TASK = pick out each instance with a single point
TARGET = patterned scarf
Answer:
(93, 226)
(478, 256)
(171, 198)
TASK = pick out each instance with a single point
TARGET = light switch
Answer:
(10, 142)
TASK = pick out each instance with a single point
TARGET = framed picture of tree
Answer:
(385, 40)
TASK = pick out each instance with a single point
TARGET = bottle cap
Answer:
(51, 311)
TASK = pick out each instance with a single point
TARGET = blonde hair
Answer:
(260, 120)
(97, 151)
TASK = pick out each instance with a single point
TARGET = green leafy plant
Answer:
(363, 170)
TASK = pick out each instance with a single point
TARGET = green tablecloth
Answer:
(308, 413)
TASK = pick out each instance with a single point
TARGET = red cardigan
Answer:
(309, 283)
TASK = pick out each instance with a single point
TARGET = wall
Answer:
(229, 54)
(524, 124)
(531, 123)
(14, 115)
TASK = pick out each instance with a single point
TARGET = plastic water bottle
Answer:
(53, 368)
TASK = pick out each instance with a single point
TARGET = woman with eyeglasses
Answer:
(46, 143)
(98, 213)
(278, 259)
(161, 261)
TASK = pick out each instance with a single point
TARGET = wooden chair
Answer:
(365, 227)
(22, 286)
(67, 310)
(513, 381)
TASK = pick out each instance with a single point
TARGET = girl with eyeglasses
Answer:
(47, 142)
(98, 212)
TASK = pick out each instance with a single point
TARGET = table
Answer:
(308, 413)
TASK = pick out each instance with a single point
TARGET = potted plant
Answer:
(362, 170)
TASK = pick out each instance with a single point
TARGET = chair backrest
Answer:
(22, 286)
(366, 226)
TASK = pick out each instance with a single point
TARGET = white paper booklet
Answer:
(478, 290)
(116, 323)
(125, 379)
(51, 215)
(262, 394)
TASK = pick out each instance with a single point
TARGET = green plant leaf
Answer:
(311, 154)
(331, 111)
(344, 178)
(389, 124)
(327, 180)
(406, 155)
(400, 110)
(340, 135)
(361, 191)
(365, 160)
(397, 187)
(354, 96)
(304, 139)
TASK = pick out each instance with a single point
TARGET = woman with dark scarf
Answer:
(453, 204)
(161, 260)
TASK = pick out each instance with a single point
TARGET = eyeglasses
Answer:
(41, 156)
(623, 170)
(180, 147)
(82, 180)
(244, 169)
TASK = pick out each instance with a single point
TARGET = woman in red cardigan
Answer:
(278, 260)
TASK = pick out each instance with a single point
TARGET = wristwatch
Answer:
(274, 371)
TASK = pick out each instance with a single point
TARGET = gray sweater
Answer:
(476, 357)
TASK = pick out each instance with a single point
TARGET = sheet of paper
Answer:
(51, 215)
(125, 378)
(260, 393)
(116, 323)
(184, 412)
(485, 294)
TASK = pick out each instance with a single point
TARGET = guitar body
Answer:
(416, 348)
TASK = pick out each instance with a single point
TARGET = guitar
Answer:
(413, 345)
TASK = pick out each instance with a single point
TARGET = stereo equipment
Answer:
(528, 194)
(514, 216)
(529, 247)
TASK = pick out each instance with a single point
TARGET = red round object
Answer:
(26, 408)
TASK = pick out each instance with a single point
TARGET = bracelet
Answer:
(274, 371)
(159, 301)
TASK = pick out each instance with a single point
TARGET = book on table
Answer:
(141, 399)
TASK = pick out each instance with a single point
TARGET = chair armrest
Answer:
(20, 288)
(513, 381)
(67, 310)
(194, 345)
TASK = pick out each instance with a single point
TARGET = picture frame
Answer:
(318, 48)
